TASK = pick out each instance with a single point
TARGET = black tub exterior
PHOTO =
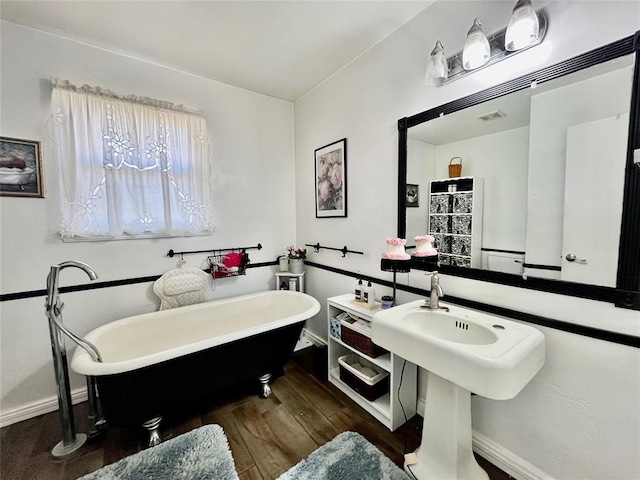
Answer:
(184, 383)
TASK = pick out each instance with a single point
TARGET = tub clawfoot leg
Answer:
(264, 381)
(153, 427)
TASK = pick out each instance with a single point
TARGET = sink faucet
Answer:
(436, 293)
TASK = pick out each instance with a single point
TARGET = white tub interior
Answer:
(143, 340)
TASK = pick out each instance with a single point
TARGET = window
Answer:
(129, 167)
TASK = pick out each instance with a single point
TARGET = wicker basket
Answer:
(455, 169)
(369, 387)
(359, 341)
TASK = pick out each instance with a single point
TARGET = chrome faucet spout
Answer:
(436, 293)
(81, 265)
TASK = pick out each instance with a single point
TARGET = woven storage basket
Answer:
(455, 169)
(360, 342)
(369, 387)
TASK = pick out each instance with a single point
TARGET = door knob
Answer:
(572, 258)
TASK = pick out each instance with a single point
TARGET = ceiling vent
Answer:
(492, 115)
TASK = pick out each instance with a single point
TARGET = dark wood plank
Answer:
(290, 433)
(43, 467)
(241, 455)
(16, 447)
(250, 474)
(317, 425)
(119, 443)
(88, 463)
(184, 424)
(266, 436)
(314, 391)
(272, 459)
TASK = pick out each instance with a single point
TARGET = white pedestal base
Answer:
(445, 451)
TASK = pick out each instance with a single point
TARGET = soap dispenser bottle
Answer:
(369, 295)
(359, 290)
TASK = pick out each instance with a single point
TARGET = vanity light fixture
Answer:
(476, 50)
(523, 28)
(526, 29)
(437, 68)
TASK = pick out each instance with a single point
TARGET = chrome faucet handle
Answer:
(59, 305)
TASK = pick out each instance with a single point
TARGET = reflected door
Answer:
(594, 181)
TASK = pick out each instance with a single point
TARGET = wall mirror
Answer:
(549, 194)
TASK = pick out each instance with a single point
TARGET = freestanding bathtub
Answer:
(160, 362)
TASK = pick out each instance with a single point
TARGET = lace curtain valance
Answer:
(129, 166)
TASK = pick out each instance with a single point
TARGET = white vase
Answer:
(296, 265)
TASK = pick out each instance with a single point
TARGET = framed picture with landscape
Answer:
(331, 179)
(20, 168)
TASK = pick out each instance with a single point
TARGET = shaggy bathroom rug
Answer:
(201, 454)
(347, 457)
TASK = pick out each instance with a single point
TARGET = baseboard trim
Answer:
(313, 338)
(499, 456)
(40, 407)
(506, 460)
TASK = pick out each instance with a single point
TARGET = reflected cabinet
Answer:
(455, 220)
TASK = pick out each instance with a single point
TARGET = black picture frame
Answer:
(331, 179)
(412, 195)
(20, 168)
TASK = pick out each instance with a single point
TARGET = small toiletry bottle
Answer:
(369, 295)
(359, 289)
(292, 284)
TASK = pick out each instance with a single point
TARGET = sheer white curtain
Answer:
(129, 167)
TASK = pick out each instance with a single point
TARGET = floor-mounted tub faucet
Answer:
(53, 306)
(436, 293)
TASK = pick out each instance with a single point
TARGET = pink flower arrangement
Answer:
(296, 252)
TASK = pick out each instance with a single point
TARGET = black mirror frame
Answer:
(626, 294)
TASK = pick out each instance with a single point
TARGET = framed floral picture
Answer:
(331, 180)
(20, 168)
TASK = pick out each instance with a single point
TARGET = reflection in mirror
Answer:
(547, 163)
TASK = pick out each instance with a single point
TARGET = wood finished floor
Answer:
(266, 436)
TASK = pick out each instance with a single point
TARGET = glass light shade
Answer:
(476, 50)
(523, 27)
(437, 68)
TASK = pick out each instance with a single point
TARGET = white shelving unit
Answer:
(455, 220)
(287, 276)
(388, 409)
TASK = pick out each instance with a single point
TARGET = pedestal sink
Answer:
(464, 351)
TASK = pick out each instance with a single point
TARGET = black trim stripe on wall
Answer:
(614, 337)
(500, 250)
(538, 266)
(597, 333)
(95, 285)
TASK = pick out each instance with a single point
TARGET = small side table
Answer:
(290, 279)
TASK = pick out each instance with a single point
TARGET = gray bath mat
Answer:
(347, 457)
(200, 454)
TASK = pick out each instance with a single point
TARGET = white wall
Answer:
(579, 417)
(421, 169)
(252, 153)
(501, 160)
